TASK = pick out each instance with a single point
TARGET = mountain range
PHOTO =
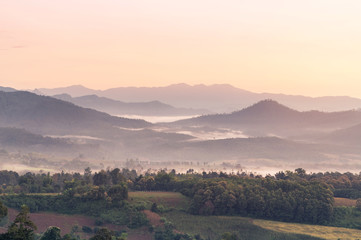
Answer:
(115, 107)
(220, 98)
(277, 134)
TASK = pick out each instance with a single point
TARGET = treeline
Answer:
(213, 193)
(12, 182)
(345, 185)
(287, 196)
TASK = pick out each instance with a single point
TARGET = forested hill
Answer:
(48, 115)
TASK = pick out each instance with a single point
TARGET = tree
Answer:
(3, 210)
(102, 234)
(358, 204)
(100, 178)
(116, 176)
(22, 228)
(154, 208)
(87, 175)
(118, 192)
(52, 233)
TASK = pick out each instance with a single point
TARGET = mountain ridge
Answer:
(43, 114)
(115, 107)
(218, 98)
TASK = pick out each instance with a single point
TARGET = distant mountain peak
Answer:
(269, 105)
(7, 89)
(179, 85)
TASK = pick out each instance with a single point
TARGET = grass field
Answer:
(170, 200)
(212, 227)
(345, 202)
(313, 230)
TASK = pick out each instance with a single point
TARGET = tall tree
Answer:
(3, 210)
(22, 228)
(52, 233)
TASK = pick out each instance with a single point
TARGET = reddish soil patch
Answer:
(154, 218)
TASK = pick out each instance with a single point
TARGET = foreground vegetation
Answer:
(184, 199)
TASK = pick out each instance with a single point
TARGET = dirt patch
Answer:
(153, 218)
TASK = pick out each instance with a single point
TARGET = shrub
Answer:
(87, 229)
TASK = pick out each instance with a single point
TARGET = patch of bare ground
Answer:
(153, 218)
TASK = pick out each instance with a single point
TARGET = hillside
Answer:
(114, 107)
(46, 115)
(346, 136)
(22, 138)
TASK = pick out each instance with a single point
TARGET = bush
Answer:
(154, 208)
(87, 229)
(99, 222)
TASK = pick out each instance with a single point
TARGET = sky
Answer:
(308, 47)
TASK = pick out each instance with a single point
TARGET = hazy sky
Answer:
(309, 47)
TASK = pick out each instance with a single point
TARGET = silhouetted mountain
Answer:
(219, 98)
(74, 90)
(114, 107)
(7, 89)
(268, 117)
(46, 115)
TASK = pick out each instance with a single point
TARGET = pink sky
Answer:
(309, 47)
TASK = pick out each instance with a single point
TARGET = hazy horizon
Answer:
(33, 88)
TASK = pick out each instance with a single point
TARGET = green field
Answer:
(313, 230)
(212, 227)
(169, 200)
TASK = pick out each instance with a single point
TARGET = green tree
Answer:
(358, 204)
(22, 228)
(102, 234)
(118, 192)
(3, 210)
(52, 233)
(100, 178)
